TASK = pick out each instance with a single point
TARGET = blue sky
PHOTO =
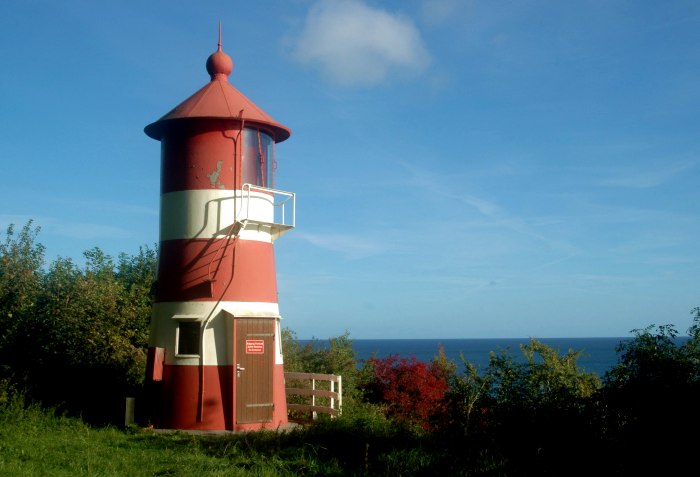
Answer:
(463, 169)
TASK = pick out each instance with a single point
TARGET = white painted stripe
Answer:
(217, 322)
(206, 309)
(209, 213)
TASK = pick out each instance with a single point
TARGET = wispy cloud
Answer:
(352, 43)
(436, 12)
(67, 228)
(350, 245)
(642, 178)
(491, 212)
(434, 184)
(106, 206)
(87, 231)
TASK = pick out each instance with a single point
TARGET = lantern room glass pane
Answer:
(258, 157)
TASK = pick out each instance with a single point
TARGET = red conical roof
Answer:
(218, 99)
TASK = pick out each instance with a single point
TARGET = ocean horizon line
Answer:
(491, 339)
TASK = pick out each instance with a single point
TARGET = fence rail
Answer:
(326, 399)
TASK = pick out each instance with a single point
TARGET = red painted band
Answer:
(203, 270)
(174, 402)
(201, 154)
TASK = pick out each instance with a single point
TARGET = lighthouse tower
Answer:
(215, 359)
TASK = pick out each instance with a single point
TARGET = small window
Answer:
(188, 338)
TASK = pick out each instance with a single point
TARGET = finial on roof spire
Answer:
(219, 64)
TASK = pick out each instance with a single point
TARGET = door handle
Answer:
(238, 370)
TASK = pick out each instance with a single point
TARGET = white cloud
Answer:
(354, 44)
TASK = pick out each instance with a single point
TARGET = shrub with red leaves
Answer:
(413, 391)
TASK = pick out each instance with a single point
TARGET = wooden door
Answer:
(254, 353)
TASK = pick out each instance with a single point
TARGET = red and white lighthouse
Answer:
(215, 358)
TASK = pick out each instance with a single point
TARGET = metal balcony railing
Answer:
(283, 209)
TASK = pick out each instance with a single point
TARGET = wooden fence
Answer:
(313, 393)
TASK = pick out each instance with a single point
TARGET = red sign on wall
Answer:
(254, 347)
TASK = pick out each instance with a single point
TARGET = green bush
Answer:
(75, 337)
(336, 356)
(649, 401)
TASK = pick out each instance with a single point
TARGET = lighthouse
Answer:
(215, 357)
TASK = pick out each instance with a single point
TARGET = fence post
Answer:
(332, 383)
(340, 395)
(129, 411)
(314, 414)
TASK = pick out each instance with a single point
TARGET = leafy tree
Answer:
(137, 276)
(534, 410)
(543, 378)
(74, 337)
(412, 391)
(21, 259)
(335, 356)
(83, 349)
(650, 398)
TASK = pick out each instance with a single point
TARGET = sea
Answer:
(598, 355)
